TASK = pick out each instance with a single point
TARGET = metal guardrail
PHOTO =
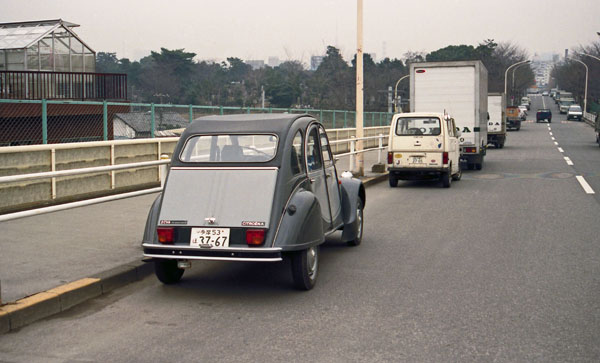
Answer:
(589, 118)
(163, 162)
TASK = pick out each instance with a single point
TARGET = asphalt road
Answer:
(503, 266)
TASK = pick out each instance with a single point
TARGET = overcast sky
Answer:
(298, 29)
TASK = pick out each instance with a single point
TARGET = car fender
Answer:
(301, 224)
(152, 221)
(352, 190)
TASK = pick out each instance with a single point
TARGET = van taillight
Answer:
(470, 150)
(390, 157)
(165, 235)
(445, 158)
(255, 237)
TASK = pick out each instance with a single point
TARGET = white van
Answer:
(423, 145)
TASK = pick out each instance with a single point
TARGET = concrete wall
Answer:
(17, 160)
(39, 158)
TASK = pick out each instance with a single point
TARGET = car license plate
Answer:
(417, 160)
(210, 237)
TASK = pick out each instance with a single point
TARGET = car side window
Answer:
(325, 148)
(313, 156)
(297, 154)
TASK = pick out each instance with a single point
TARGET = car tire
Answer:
(446, 180)
(518, 128)
(478, 166)
(305, 265)
(360, 219)
(167, 271)
(501, 145)
(470, 166)
(393, 181)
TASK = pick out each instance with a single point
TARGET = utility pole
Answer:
(359, 166)
(262, 96)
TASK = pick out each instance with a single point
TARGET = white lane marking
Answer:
(588, 189)
(555, 143)
(551, 133)
(549, 128)
(553, 138)
(561, 150)
(568, 160)
(543, 102)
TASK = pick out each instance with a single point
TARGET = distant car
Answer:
(523, 109)
(252, 188)
(513, 118)
(564, 104)
(575, 113)
(543, 114)
(545, 93)
(526, 101)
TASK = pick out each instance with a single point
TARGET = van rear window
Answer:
(229, 149)
(418, 126)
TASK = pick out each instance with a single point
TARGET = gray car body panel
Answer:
(352, 190)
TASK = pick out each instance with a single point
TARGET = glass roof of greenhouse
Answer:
(21, 35)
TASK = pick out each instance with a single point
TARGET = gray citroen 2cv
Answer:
(252, 188)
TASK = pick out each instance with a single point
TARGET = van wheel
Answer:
(393, 181)
(501, 145)
(479, 166)
(470, 166)
(457, 176)
(446, 180)
(167, 271)
(305, 265)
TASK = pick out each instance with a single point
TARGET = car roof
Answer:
(247, 123)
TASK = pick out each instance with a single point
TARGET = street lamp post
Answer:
(359, 167)
(506, 73)
(396, 92)
(586, 82)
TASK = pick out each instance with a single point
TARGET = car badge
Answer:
(211, 220)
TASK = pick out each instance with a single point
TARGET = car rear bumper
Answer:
(181, 252)
(417, 172)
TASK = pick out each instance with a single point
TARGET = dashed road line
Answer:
(561, 150)
(550, 133)
(555, 143)
(568, 160)
(584, 184)
(553, 138)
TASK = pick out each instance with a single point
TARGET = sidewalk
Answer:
(63, 258)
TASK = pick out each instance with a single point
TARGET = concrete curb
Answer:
(44, 304)
(47, 303)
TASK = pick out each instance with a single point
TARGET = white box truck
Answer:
(458, 89)
(497, 122)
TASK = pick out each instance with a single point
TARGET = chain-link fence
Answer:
(28, 122)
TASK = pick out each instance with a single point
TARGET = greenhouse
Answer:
(49, 45)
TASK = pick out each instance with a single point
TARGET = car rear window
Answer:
(418, 126)
(575, 108)
(229, 148)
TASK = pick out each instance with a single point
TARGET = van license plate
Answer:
(210, 237)
(417, 160)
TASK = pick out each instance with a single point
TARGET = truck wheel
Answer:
(305, 265)
(518, 128)
(360, 222)
(478, 166)
(393, 181)
(470, 166)
(167, 271)
(446, 180)
(501, 145)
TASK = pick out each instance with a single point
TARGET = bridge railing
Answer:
(156, 165)
(589, 118)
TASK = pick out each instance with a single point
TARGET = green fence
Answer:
(25, 122)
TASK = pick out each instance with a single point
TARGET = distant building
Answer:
(135, 125)
(256, 64)
(315, 62)
(273, 62)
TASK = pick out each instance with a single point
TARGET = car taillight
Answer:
(445, 158)
(255, 237)
(165, 235)
(470, 150)
(390, 157)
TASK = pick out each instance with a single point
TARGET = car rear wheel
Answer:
(478, 166)
(305, 265)
(393, 181)
(359, 224)
(167, 271)
(458, 175)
